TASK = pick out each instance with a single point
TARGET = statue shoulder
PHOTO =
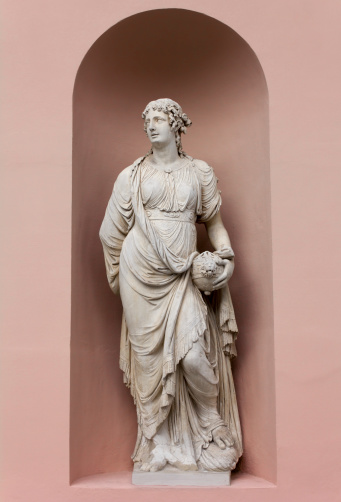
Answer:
(124, 175)
(203, 168)
(122, 183)
(123, 179)
(201, 164)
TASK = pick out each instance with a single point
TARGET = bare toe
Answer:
(219, 442)
(222, 437)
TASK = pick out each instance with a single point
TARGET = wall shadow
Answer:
(214, 74)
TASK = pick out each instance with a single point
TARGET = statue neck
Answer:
(165, 155)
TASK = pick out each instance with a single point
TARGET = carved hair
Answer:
(177, 119)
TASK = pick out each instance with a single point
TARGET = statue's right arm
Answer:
(115, 227)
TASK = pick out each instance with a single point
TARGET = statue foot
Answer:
(221, 453)
(177, 459)
(157, 462)
(222, 437)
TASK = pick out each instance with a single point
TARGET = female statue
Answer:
(176, 343)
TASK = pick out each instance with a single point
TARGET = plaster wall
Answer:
(297, 44)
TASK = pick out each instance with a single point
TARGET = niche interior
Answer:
(216, 77)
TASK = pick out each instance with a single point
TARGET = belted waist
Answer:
(187, 216)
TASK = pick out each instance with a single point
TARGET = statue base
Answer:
(171, 476)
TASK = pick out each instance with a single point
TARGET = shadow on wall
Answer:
(218, 80)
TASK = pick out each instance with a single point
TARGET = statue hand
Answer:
(223, 279)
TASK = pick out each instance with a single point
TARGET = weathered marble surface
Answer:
(176, 341)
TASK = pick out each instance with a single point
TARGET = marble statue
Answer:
(178, 327)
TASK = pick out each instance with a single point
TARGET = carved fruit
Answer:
(205, 270)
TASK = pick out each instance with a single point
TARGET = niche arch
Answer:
(214, 74)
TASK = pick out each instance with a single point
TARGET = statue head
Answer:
(178, 120)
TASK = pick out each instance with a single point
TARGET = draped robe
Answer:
(149, 238)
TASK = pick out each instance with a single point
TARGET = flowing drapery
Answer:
(164, 313)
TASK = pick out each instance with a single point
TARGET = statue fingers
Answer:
(220, 278)
(219, 282)
(219, 442)
(219, 285)
(222, 261)
(228, 441)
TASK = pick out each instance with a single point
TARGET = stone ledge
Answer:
(170, 476)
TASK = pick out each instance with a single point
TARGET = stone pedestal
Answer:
(170, 476)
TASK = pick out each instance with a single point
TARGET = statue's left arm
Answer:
(208, 213)
(220, 241)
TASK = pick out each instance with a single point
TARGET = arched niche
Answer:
(208, 68)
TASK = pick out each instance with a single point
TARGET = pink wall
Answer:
(297, 46)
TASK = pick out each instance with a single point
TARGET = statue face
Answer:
(158, 129)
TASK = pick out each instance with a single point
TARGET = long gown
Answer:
(149, 238)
